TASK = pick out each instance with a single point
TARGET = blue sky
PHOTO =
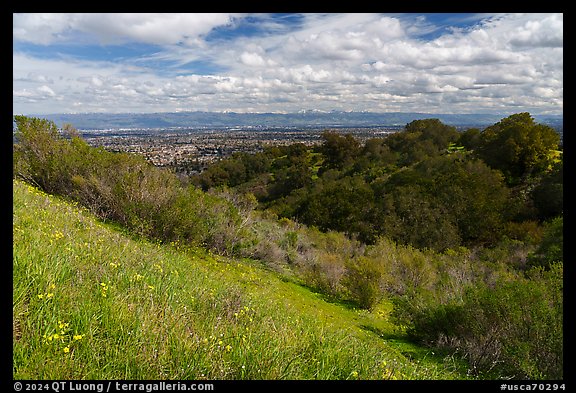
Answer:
(433, 63)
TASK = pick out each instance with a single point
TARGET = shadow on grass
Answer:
(418, 353)
(399, 340)
(345, 303)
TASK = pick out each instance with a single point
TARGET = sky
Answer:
(285, 63)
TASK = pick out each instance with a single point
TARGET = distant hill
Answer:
(94, 121)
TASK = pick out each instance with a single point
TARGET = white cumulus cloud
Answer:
(354, 61)
(168, 28)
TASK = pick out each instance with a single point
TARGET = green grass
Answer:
(92, 302)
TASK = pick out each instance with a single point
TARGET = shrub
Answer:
(325, 272)
(124, 187)
(513, 330)
(425, 320)
(404, 268)
(551, 248)
(363, 280)
(41, 156)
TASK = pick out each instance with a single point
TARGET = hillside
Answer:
(90, 301)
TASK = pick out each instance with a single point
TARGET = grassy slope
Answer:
(89, 302)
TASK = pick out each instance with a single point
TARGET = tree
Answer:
(292, 171)
(409, 215)
(518, 146)
(376, 150)
(548, 196)
(338, 151)
(443, 201)
(470, 138)
(473, 194)
(375, 158)
(433, 129)
(421, 139)
(340, 204)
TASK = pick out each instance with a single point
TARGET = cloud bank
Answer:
(66, 63)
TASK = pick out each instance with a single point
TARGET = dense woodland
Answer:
(462, 231)
(429, 186)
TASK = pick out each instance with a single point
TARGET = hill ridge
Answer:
(303, 119)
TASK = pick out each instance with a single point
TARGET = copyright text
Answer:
(111, 386)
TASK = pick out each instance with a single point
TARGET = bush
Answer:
(425, 320)
(513, 330)
(551, 248)
(325, 272)
(41, 156)
(363, 280)
(404, 268)
(124, 188)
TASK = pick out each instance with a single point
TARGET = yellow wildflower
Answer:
(78, 337)
(103, 289)
(66, 349)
